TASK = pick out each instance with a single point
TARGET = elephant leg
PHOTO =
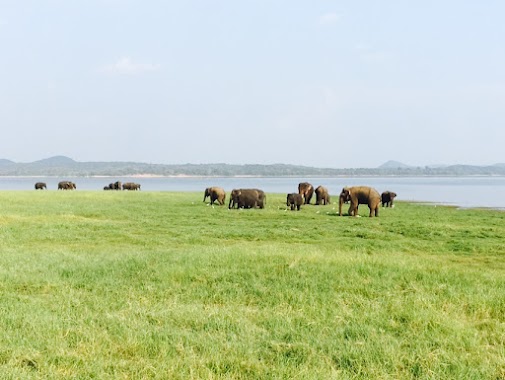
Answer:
(374, 211)
(352, 211)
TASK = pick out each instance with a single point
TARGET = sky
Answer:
(332, 84)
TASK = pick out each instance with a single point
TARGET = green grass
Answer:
(158, 285)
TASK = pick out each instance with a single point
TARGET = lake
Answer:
(457, 191)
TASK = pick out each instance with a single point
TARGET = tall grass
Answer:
(141, 285)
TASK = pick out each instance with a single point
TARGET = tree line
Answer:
(83, 169)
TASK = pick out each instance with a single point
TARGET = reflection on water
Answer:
(458, 191)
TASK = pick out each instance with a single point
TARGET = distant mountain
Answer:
(62, 166)
(3, 161)
(394, 165)
(56, 160)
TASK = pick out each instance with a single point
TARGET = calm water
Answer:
(460, 191)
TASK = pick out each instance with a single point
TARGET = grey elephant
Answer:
(387, 198)
(360, 195)
(40, 186)
(294, 200)
(216, 194)
(66, 185)
(114, 186)
(247, 198)
(322, 196)
(306, 190)
(131, 186)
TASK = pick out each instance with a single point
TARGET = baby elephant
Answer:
(387, 198)
(294, 200)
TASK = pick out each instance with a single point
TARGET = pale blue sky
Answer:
(317, 83)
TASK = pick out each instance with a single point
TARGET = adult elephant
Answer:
(131, 186)
(247, 198)
(66, 185)
(294, 200)
(387, 198)
(306, 190)
(360, 195)
(40, 186)
(322, 196)
(216, 194)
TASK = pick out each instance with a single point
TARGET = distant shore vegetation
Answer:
(64, 166)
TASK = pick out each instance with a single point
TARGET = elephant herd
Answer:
(69, 185)
(239, 198)
(256, 198)
(63, 185)
(356, 195)
(122, 186)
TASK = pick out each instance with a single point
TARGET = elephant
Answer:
(294, 200)
(215, 193)
(40, 186)
(247, 198)
(387, 198)
(322, 196)
(306, 190)
(131, 186)
(114, 186)
(66, 185)
(360, 195)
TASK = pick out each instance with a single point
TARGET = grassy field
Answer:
(159, 285)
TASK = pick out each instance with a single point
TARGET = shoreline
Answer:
(253, 176)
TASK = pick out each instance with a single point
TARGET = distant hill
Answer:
(3, 161)
(62, 166)
(393, 165)
(56, 160)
